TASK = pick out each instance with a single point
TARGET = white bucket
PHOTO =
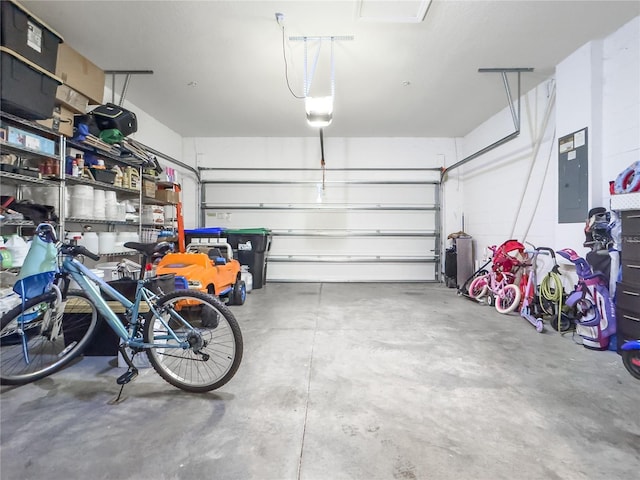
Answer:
(110, 270)
(111, 206)
(81, 200)
(124, 237)
(91, 242)
(107, 242)
(45, 196)
(99, 205)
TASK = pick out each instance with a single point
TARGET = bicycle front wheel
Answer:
(208, 349)
(508, 299)
(42, 339)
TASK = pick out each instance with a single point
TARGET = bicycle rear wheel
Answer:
(213, 335)
(41, 340)
(479, 287)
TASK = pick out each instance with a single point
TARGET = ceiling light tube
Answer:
(319, 111)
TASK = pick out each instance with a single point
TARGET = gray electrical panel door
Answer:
(573, 178)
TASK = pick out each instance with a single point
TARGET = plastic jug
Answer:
(91, 242)
(6, 259)
(38, 271)
(247, 277)
(42, 257)
(18, 248)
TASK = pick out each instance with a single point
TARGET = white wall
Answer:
(509, 192)
(305, 152)
(621, 108)
(598, 86)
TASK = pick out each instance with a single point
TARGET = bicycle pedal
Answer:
(127, 376)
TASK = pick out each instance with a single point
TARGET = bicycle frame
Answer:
(497, 286)
(81, 274)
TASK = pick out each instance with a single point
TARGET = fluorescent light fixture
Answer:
(319, 111)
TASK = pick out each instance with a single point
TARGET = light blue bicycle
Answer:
(191, 339)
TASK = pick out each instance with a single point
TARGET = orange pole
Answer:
(181, 241)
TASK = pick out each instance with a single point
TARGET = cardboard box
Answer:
(167, 196)
(30, 141)
(62, 121)
(80, 74)
(148, 188)
(73, 100)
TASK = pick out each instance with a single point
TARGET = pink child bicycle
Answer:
(498, 286)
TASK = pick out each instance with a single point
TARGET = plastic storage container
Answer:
(28, 36)
(202, 234)
(26, 89)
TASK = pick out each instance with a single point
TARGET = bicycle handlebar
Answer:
(75, 250)
(547, 249)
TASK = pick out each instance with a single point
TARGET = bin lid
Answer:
(205, 231)
(249, 231)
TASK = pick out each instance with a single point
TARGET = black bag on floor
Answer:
(113, 117)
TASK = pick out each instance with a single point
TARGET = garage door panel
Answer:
(350, 272)
(323, 220)
(222, 175)
(312, 194)
(382, 246)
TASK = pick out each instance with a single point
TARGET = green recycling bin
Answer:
(250, 247)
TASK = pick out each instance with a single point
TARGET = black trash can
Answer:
(250, 247)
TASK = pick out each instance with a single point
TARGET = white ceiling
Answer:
(234, 51)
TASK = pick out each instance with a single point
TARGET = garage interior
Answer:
(449, 118)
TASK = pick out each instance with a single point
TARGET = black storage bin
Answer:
(110, 116)
(104, 343)
(103, 175)
(29, 37)
(125, 286)
(256, 261)
(162, 284)
(26, 90)
(250, 247)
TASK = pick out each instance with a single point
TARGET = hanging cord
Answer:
(536, 149)
(322, 155)
(286, 65)
(544, 176)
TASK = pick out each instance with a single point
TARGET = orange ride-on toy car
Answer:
(209, 268)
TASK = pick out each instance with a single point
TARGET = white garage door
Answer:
(361, 225)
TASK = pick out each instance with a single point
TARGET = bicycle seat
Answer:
(149, 249)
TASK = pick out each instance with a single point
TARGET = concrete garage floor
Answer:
(344, 381)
